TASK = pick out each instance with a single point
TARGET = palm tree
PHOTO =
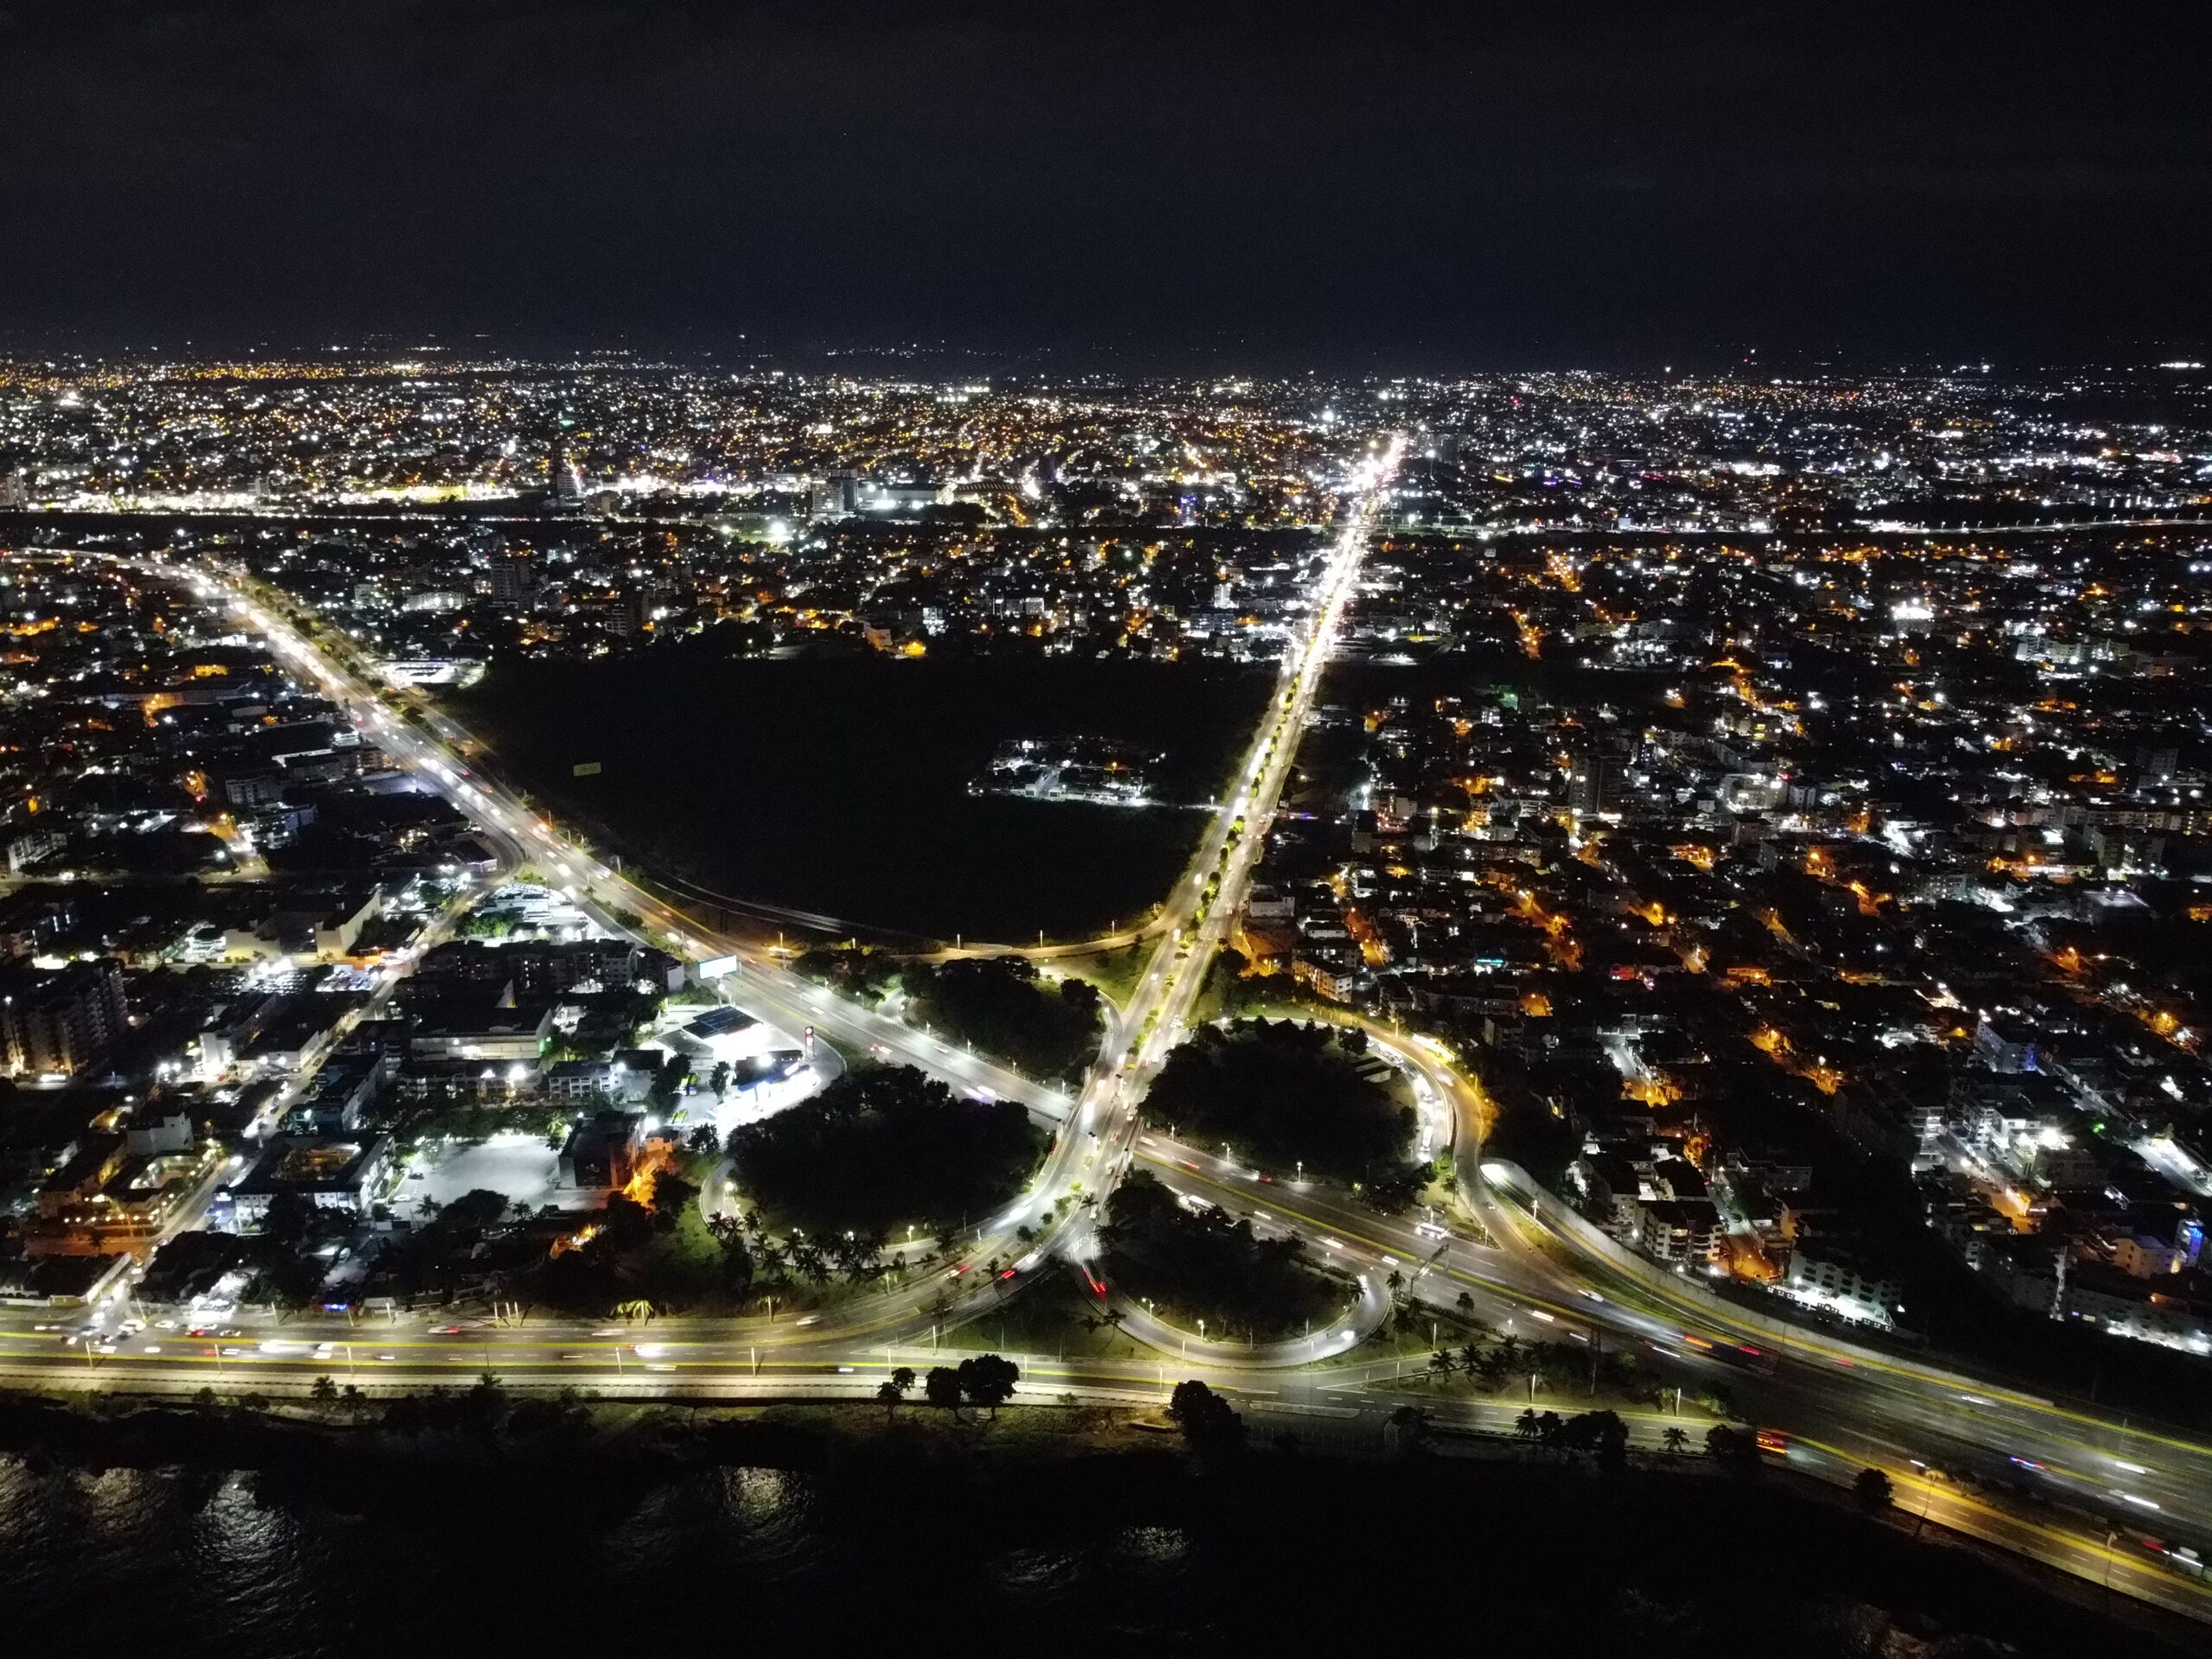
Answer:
(1526, 1425)
(1440, 1364)
(1471, 1359)
(1674, 1439)
(1466, 1303)
(1397, 1281)
(1108, 1318)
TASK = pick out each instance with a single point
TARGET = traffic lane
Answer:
(2037, 1538)
(803, 1004)
(1816, 1401)
(1368, 1308)
(1429, 1273)
(1423, 1251)
(792, 1002)
(2099, 1555)
(1941, 1426)
(1991, 1415)
(485, 799)
(1948, 1436)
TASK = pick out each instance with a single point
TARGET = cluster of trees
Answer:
(445, 1246)
(1203, 1265)
(884, 1149)
(485, 1411)
(1600, 1435)
(775, 1267)
(284, 1257)
(987, 1380)
(659, 1253)
(1525, 1129)
(1285, 1095)
(1735, 1449)
(856, 970)
(1003, 1007)
(1557, 1365)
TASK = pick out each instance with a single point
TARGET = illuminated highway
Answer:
(1092, 1131)
(2073, 1490)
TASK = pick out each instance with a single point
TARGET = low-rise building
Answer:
(494, 1029)
(1824, 1273)
(1678, 1231)
(603, 1150)
(350, 1173)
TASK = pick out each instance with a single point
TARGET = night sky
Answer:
(1277, 186)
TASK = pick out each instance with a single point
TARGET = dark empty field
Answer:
(841, 787)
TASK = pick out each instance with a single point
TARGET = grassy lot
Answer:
(1051, 1315)
(1114, 973)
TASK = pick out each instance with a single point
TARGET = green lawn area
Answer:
(1114, 973)
(1047, 1316)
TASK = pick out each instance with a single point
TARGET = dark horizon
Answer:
(1384, 188)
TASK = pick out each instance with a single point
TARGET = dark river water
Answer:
(186, 1564)
(1105, 1556)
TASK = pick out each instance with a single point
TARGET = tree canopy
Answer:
(1003, 1007)
(1204, 1416)
(662, 1253)
(989, 1380)
(1284, 1094)
(884, 1149)
(1205, 1265)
